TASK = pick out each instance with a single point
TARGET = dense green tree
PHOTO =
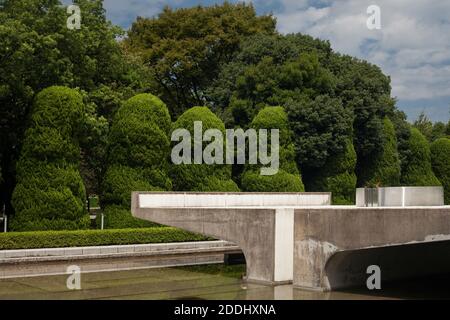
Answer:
(336, 176)
(383, 170)
(321, 128)
(37, 50)
(424, 125)
(417, 170)
(50, 193)
(364, 89)
(137, 156)
(440, 161)
(201, 177)
(269, 70)
(403, 133)
(288, 178)
(185, 47)
(431, 131)
(438, 131)
(327, 96)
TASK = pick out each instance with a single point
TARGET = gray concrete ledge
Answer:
(46, 262)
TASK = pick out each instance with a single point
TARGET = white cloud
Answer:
(413, 45)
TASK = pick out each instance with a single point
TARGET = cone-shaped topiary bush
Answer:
(440, 161)
(288, 178)
(383, 170)
(50, 193)
(137, 158)
(417, 169)
(201, 177)
(337, 176)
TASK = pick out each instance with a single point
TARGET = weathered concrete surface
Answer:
(333, 246)
(253, 221)
(52, 261)
(253, 230)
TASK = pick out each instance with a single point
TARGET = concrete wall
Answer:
(228, 200)
(264, 234)
(253, 230)
(321, 233)
(261, 224)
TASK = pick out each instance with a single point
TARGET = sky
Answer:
(412, 46)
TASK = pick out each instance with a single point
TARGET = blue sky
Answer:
(412, 46)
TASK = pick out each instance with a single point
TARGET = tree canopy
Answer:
(184, 48)
(37, 51)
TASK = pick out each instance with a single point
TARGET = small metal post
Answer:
(5, 219)
(103, 221)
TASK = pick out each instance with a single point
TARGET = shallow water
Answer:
(201, 282)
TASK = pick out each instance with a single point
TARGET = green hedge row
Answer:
(58, 239)
(117, 217)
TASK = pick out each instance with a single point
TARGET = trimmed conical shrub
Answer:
(288, 178)
(383, 169)
(417, 169)
(201, 177)
(50, 193)
(336, 176)
(440, 161)
(137, 157)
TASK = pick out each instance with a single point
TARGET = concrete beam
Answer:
(256, 222)
(322, 233)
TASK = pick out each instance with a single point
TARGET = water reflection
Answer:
(204, 282)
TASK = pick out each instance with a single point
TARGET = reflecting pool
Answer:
(200, 282)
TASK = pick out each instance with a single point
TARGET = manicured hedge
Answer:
(120, 181)
(117, 217)
(50, 194)
(201, 177)
(440, 161)
(288, 178)
(58, 239)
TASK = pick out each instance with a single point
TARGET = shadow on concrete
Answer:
(414, 267)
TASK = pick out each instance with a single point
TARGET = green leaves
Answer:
(138, 151)
(288, 178)
(201, 177)
(417, 170)
(320, 126)
(383, 168)
(50, 193)
(185, 48)
(81, 238)
(440, 161)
